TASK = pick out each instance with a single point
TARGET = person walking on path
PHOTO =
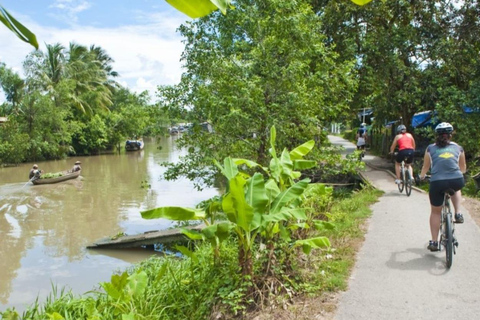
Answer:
(406, 150)
(446, 160)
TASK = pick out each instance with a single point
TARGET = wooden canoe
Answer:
(66, 176)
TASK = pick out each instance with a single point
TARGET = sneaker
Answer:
(458, 218)
(398, 181)
(432, 246)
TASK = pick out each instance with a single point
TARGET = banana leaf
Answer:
(17, 28)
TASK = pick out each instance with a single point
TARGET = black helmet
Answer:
(401, 128)
(444, 127)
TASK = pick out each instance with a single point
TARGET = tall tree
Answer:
(394, 42)
(13, 86)
(263, 64)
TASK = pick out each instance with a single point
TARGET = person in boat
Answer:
(34, 172)
(77, 167)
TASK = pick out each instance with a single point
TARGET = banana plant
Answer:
(201, 8)
(17, 28)
(283, 170)
(123, 288)
(259, 205)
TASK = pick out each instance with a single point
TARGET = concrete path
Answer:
(395, 276)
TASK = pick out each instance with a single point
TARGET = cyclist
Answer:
(361, 137)
(446, 160)
(406, 149)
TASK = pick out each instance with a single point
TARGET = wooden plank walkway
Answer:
(148, 238)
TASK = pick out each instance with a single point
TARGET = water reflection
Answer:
(44, 229)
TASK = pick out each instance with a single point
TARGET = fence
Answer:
(380, 140)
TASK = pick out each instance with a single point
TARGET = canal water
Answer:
(44, 229)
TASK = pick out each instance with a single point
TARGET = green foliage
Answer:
(333, 168)
(50, 175)
(200, 8)
(17, 28)
(264, 206)
(402, 71)
(12, 86)
(158, 288)
(270, 69)
(13, 143)
(69, 104)
(194, 288)
(330, 270)
(92, 138)
(349, 135)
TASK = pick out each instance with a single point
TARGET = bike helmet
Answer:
(444, 127)
(401, 128)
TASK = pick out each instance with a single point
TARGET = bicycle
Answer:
(447, 229)
(405, 178)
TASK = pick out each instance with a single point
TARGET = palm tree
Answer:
(89, 75)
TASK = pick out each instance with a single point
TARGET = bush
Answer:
(349, 135)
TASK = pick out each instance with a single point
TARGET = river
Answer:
(44, 229)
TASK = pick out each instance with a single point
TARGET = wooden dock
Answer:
(148, 238)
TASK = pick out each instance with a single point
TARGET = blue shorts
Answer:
(438, 188)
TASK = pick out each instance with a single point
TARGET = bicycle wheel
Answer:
(408, 183)
(401, 185)
(448, 240)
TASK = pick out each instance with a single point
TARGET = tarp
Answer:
(423, 119)
(391, 123)
(468, 109)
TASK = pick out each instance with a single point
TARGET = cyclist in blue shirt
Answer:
(446, 160)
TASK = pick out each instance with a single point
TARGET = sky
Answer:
(139, 35)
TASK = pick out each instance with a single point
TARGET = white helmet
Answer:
(444, 127)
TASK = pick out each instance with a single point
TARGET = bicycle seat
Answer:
(450, 192)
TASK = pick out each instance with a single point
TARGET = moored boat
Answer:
(66, 175)
(134, 145)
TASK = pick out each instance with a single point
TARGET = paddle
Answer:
(35, 176)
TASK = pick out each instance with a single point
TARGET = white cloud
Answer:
(70, 9)
(145, 55)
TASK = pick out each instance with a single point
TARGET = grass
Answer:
(330, 270)
(177, 288)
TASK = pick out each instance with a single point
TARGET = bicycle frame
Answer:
(406, 178)
(447, 231)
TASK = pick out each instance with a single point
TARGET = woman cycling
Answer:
(406, 149)
(446, 160)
